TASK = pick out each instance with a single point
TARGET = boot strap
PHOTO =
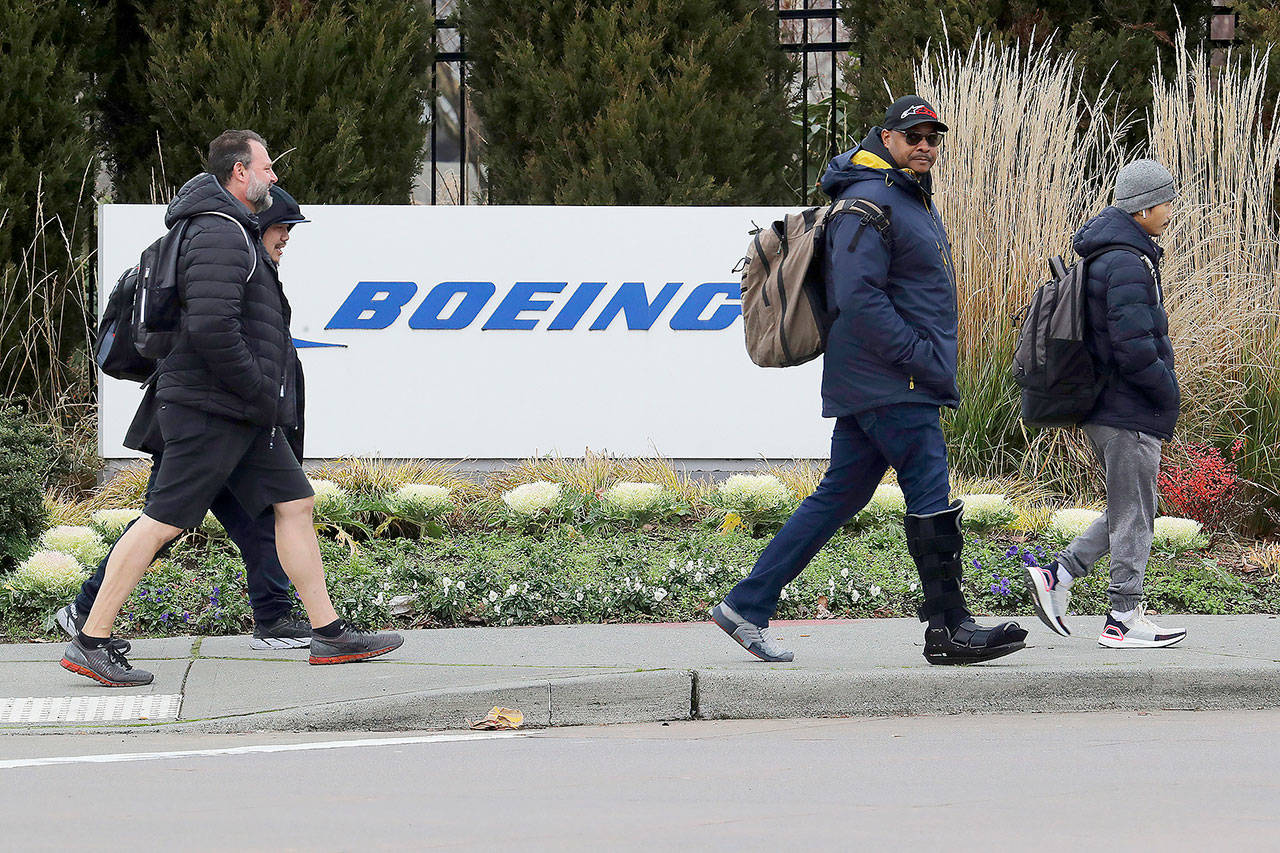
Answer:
(923, 546)
(939, 567)
(935, 604)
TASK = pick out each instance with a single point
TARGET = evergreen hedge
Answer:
(343, 83)
(650, 102)
(47, 173)
(24, 460)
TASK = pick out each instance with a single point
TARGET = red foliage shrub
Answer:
(1206, 488)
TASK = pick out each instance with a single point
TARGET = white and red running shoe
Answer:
(1050, 596)
(1138, 632)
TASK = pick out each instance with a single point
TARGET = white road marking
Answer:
(112, 758)
(90, 709)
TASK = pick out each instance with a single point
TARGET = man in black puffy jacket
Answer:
(1134, 414)
(275, 626)
(223, 393)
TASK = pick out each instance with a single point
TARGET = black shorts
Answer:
(204, 453)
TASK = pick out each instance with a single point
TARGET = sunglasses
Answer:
(915, 137)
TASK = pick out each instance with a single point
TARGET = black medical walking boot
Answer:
(952, 637)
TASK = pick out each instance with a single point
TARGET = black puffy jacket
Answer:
(234, 357)
(1129, 327)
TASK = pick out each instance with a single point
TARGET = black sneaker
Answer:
(106, 665)
(352, 645)
(287, 632)
(70, 620)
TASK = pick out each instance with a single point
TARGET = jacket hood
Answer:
(203, 194)
(1113, 226)
(870, 161)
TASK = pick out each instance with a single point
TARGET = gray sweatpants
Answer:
(1131, 462)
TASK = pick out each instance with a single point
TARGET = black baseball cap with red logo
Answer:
(909, 111)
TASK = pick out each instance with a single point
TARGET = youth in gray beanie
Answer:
(1142, 185)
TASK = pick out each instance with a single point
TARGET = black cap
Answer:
(910, 110)
(284, 210)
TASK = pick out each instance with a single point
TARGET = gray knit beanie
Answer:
(1142, 185)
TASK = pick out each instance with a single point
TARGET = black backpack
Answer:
(142, 317)
(1053, 364)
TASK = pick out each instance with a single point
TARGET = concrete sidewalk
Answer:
(587, 674)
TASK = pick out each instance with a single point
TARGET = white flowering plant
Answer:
(110, 523)
(46, 576)
(753, 501)
(536, 507)
(1178, 535)
(1067, 524)
(81, 542)
(887, 506)
(988, 512)
(638, 503)
(211, 527)
(420, 505)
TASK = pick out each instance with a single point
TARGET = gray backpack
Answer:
(784, 304)
(1053, 364)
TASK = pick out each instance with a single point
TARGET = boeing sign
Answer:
(480, 332)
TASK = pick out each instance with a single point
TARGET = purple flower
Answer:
(1012, 552)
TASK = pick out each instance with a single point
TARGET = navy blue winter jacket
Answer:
(894, 336)
(1129, 328)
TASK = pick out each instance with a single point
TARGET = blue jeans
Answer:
(269, 593)
(907, 438)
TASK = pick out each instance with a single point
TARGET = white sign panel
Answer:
(504, 332)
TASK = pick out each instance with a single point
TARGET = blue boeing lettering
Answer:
(507, 314)
(380, 300)
(688, 317)
(475, 295)
(633, 301)
(457, 305)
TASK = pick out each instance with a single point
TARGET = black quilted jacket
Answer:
(1130, 329)
(235, 356)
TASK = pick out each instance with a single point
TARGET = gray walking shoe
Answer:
(70, 620)
(106, 665)
(751, 637)
(352, 645)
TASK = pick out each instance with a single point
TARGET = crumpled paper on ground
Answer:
(500, 718)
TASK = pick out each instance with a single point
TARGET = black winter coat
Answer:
(1129, 328)
(234, 357)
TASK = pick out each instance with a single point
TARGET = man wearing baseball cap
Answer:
(889, 366)
(275, 625)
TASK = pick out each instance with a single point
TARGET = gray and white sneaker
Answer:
(106, 665)
(352, 645)
(751, 637)
(287, 632)
(70, 620)
(1138, 632)
(1050, 596)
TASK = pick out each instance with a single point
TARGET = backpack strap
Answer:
(869, 213)
(1151, 268)
(248, 242)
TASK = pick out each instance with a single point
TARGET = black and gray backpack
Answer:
(141, 320)
(1053, 364)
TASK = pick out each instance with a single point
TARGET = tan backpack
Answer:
(784, 304)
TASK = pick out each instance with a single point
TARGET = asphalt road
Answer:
(1166, 780)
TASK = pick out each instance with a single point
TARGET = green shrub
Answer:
(25, 451)
(344, 83)
(649, 102)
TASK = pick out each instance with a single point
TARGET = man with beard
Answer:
(889, 367)
(223, 394)
(275, 624)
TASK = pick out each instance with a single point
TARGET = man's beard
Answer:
(259, 194)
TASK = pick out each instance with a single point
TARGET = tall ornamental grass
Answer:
(1219, 133)
(1029, 156)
